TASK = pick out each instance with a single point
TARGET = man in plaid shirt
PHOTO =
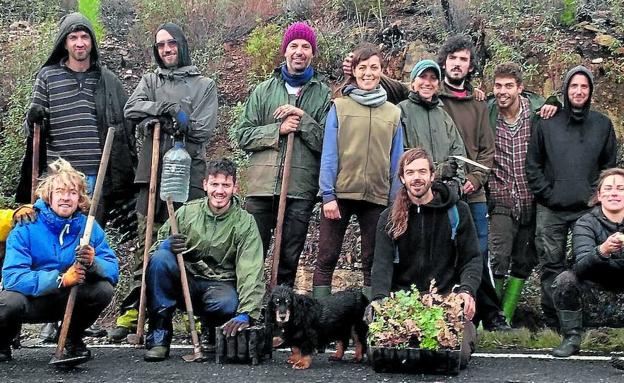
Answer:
(512, 208)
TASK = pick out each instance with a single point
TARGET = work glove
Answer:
(166, 124)
(75, 275)
(369, 311)
(24, 214)
(236, 324)
(85, 255)
(177, 243)
(36, 115)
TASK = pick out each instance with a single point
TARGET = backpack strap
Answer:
(453, 216)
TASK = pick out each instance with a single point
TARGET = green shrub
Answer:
(23, 55)
(263, 47)
(568, 16)
(91, 10)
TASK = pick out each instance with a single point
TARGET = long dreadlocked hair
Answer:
(397, 225)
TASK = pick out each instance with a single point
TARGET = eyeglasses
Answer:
(170, 43)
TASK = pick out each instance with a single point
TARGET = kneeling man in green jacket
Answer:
(222, 253)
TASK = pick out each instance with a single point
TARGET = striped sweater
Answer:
(69, 99)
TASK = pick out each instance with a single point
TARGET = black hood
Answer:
(443, 196)
(68, 24)
(184, 57)
(578, 114)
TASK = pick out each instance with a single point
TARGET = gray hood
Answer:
(576, 113)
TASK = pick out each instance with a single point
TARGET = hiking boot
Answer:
(49, 332)
(497, 323)
(119, 334)
(156, 354)
(77, 348)
(571, 326)
(95, 331)
(5, 354)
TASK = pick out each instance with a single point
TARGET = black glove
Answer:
(177, 243)
(167, 125)
(36, 115)
(183, 121)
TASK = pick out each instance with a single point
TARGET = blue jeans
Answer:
(214, 302)
(479, 213)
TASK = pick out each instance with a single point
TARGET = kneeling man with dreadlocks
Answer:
(222, 251)
(427, 233)
(44, 260)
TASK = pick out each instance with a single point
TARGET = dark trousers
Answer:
(512, 246)
(17, 308)
(214, 302)
(294, 232)
(332, 234)
(488, 304)
(551, 237)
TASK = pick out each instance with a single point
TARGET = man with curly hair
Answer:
(45, 259)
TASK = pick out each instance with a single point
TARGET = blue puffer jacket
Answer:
(37, 253)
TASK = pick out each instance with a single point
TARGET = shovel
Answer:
(59, 360)
(137, 338)
(197, 355)
(281, 210)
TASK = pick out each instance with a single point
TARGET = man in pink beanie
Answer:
(293, 100)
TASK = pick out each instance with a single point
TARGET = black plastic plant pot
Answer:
(414, 360)
(252, 345)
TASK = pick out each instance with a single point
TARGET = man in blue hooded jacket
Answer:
(44, 260)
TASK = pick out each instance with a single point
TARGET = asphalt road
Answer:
(127, 365)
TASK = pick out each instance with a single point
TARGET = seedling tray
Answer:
(251, 345)
(414, 360)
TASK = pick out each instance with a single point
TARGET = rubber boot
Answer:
(320, 291)
(125, 324)
(499, 286)
(571, 327)
(512, 296)
(158, 339)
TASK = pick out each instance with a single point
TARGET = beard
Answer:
(423, 189)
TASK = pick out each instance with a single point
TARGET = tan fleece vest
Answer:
(364, 146)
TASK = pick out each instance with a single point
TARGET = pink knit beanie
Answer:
(299, 31)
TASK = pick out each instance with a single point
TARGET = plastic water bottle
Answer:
(176, 174)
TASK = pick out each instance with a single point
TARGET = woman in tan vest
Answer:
(361, 147)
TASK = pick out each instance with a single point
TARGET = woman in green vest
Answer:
(362, 145)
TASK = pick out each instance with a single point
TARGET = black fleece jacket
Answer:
(590, 231)
(426, 250)
(568, 151)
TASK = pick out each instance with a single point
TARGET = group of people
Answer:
(444, 185)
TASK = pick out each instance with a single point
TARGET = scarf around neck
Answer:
(299, 79)
(415, 98)
(371, 98)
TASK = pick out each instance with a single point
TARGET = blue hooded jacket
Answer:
(37, 253)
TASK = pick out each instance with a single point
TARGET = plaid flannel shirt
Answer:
(508, 184)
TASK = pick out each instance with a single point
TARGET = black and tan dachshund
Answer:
(310, 324)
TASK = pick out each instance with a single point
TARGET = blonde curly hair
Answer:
(62, 174)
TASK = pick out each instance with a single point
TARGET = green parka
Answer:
(258, 134)
(427, 125)
(228, 248)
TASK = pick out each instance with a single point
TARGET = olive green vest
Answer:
(364, 145)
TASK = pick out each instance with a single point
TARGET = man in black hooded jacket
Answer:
(185, 104)
(564, 159)
(75, 100)
(427, 233)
